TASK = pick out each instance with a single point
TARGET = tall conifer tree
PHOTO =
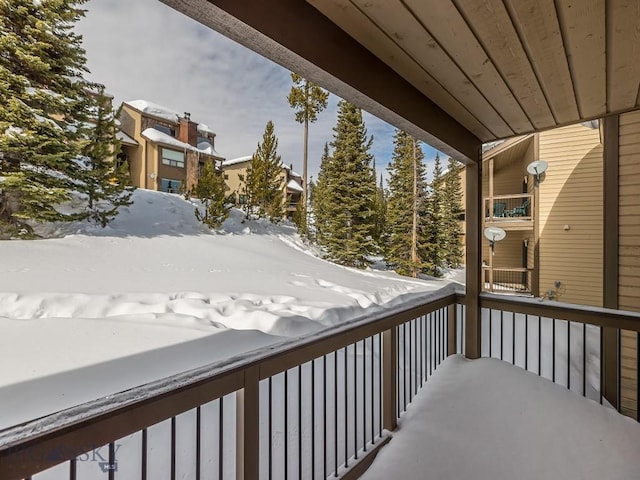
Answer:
(45, 113)
(436, 239)
(320, 197)
(308, 100)
(452, 209)
(350, 192)
(263, 182)
(407, 214)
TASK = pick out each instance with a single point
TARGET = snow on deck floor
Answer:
(486, 419)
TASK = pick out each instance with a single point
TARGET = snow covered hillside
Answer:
(96, 311)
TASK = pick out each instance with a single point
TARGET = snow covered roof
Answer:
(295, 186)
(126, 139)
(157, 136)
(295, 174)
(202, 128)
(234, 161)
(247, 158)
(154, 109)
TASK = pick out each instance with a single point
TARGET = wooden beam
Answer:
(535, 275)
(295, 35)
(474, 213)
(610, 342)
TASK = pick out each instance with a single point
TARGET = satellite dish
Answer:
(494, 234)
(537, 168)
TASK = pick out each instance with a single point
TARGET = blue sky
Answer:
(143, 49)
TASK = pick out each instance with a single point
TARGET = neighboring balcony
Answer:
(507, 280)
(512, 212)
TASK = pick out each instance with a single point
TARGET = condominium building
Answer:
(165, 150)
(235, 173)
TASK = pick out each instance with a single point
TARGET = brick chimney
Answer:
(188, 132)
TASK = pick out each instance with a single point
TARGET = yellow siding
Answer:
(629, 252)
(570, 195)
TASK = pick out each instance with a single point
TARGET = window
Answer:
(164, 129)
(170, 185)
(242, 199)
(172, 158)
(226, 176)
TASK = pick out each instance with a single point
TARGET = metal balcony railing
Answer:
(318, 406)
(503, 208)
(507, 280)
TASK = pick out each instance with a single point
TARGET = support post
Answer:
(535, 209)
(610, 341)
(389, 378)
(452, 329)
(474, 212)
(247, 427)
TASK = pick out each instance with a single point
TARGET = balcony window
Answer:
(170, 185)
(172, 158)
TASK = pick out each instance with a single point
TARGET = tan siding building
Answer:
(554, 244)
(629, 251)
(235, 172)
(165, 151)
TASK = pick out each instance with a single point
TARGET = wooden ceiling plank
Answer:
(582, 23)
(623, 54)
(343, 13)
(540, 33)
(448, 27)
(398, 24)
(297, 36)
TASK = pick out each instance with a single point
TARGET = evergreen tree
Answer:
(319, 198)
(381, 212)
(263, 183)
(350, 192)
(104, 182)
(44, 108)
(436, 238)
(308, 99)
(406, 209)
(452, 209)
(210, 191)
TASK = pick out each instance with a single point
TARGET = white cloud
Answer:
(143, 49)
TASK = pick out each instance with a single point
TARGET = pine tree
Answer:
(452, 209)
(44, 108)
(319, 198)
(210, 191)
(436, 239)
(350, 192)
(104, 182)
(308, 99)
(263, 183)
(406, 209)
(381, 212)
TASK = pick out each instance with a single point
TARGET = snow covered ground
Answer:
(97, 311)
(486, 419)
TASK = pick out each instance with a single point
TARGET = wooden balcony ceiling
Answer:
(452, 72)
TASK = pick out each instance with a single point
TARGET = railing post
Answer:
(389, 378)
(452, 329)
(247, 427)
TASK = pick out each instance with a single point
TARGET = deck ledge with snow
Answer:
(486, 419)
